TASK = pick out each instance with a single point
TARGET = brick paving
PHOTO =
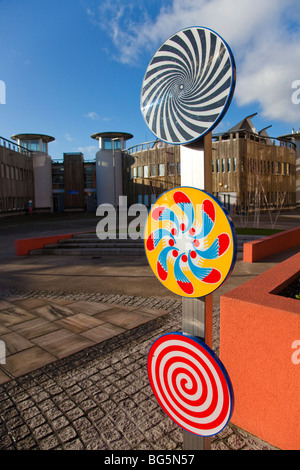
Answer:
(99, 398)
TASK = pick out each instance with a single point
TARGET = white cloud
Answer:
(91, 115)
(68, 137)
(265, 40)
(89, 150)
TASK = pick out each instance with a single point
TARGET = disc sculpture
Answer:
(188, 86)
(190, 384)
(189, 240)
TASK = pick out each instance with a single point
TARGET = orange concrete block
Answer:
(259, 337)
(23, 246)
(267, 246)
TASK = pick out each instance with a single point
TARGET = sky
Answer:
(72, 68)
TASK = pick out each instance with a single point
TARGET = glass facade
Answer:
(111, 144)
(34, 145)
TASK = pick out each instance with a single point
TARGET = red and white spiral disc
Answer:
(190, 384)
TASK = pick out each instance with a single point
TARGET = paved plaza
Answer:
(77, 334)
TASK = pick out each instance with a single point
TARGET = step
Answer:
(68, 246)
(89, 252)
(93, 247)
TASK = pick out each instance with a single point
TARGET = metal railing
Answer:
(14, 147)
(142, 147)
(242, 134)
(261, 139)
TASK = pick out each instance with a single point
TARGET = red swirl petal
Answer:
(161, 272)
(150, 242)
(214, 277)
(180, 197)
(186, 287)
(224, 242)
(208, 207)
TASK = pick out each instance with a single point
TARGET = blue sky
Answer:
(75, 67)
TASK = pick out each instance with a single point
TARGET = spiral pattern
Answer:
(190, 384)
(189, 242)
(188, 86)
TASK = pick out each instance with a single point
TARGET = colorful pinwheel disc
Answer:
(190, 242)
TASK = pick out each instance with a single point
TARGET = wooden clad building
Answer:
(249, 169)
(16, 177)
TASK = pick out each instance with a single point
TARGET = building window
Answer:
(278, 168)
(58, 177)
(153, 198)
(161, 169)
(89, 177)
(242, 164)
(228, 164)
(7, 172)
(116, 144)
(2, 171)
(12, 172)
(213, 166)
(153, 170)
(218, 165)
(134, 172)
(223, 165)
(178, 168)
(33, 145)
(171, 168)
(234, 164)
(17, 173)
(106, 144)
(146, 200)
(146, 172)
(140, 172)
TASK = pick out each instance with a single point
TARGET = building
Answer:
(74, 184)
(16, 177)
(149, 170)
(249, 169)
(109, 166)
(294, 137)
(245, 169)
(37, 144)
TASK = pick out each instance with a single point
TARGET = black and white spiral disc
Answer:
(188, 86)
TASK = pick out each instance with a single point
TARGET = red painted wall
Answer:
(258, 330)
(23, 247)
(259, 249)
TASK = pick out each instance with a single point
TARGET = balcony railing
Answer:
(242, 134)
(14, 147)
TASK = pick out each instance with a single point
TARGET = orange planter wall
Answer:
(23, 247)
(258, 330)
(267, 246)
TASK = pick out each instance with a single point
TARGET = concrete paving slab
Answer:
(79, 322)
(26, 361)
(35, 328)
(62, 343)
